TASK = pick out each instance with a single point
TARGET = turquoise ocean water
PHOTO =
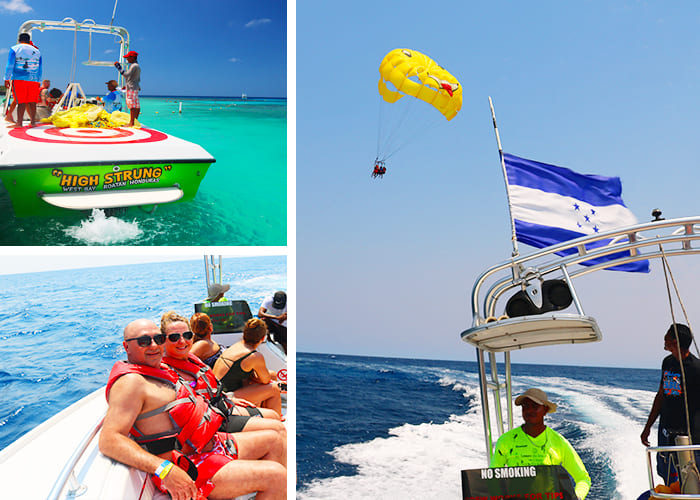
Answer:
(241, 201)
(61, 331)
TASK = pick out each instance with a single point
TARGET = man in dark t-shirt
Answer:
(676, 389)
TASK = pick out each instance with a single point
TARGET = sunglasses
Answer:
(174, 337)
(145, 340)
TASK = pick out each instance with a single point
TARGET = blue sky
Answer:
(386, 267)
(209, 48)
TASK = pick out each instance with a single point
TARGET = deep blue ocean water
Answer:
(370, 427)
(60, 331)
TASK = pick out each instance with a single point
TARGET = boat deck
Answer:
(47, 146)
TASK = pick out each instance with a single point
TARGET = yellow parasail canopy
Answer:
(415, 74)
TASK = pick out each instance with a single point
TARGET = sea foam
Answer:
(100, 229)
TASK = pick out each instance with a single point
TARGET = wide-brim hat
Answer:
(217, 289)
(539, 397)
(131, 53)
(279, 300)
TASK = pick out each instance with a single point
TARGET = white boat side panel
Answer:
(48, 446)
(48, 145)
(111, 199)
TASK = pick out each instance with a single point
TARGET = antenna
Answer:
(113, 12)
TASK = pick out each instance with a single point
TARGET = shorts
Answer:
(236, 423)
(208, 463)
(25, 92)
(132, 99)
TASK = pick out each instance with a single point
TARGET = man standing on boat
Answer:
(132, 79)
(24, 71)
(146, 399)
(679, 390)
(533, 443)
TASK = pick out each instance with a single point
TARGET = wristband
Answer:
(163, 469)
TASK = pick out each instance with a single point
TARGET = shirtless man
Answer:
(261, 461)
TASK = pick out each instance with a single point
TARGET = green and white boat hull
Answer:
(52, 171)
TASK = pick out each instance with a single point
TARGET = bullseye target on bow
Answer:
(99, 136)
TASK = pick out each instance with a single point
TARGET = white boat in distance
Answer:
(49, 170)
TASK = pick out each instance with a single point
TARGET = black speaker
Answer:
(556, 296)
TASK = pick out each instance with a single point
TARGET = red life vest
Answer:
(206, 384)
(195, 422)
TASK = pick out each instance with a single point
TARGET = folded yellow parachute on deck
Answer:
(89, 115)
(435, 85)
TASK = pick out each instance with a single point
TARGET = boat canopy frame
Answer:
(86, 26)
(645, 241)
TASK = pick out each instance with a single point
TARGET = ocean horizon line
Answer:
(513, 363)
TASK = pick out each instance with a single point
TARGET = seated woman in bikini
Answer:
(241, 369)
(240, 413)
(204, 347)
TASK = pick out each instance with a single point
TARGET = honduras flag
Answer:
(552, 204)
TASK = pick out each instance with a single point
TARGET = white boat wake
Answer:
(100, 229)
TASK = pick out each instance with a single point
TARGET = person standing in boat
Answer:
(675, 392)
(151, 414)
(274, 311)
(24, 71)
(132, 78)
(533, 443)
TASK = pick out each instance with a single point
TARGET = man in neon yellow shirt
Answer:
(533, 443)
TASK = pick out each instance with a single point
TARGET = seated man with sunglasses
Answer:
(156, 423)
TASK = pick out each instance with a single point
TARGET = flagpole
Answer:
(505, 179)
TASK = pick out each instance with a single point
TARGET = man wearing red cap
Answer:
(132, 78)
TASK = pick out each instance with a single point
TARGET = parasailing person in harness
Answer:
(679, 390)
(379, 169)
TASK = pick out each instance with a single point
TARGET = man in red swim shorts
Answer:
(23, 70)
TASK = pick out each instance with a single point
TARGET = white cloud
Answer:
(109, 51)
(4, 50)
(257, 22)
(234, 59)
(15, 6)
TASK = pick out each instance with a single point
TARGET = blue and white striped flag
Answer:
(553, 204)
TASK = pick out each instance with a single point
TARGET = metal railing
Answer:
(629, 241)
(636, 243)
(67, 473)
(650, 469)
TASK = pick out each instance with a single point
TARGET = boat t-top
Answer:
(518, 304)
(49, 170)
(524, 302)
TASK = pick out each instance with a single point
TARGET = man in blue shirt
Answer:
(24, 71)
